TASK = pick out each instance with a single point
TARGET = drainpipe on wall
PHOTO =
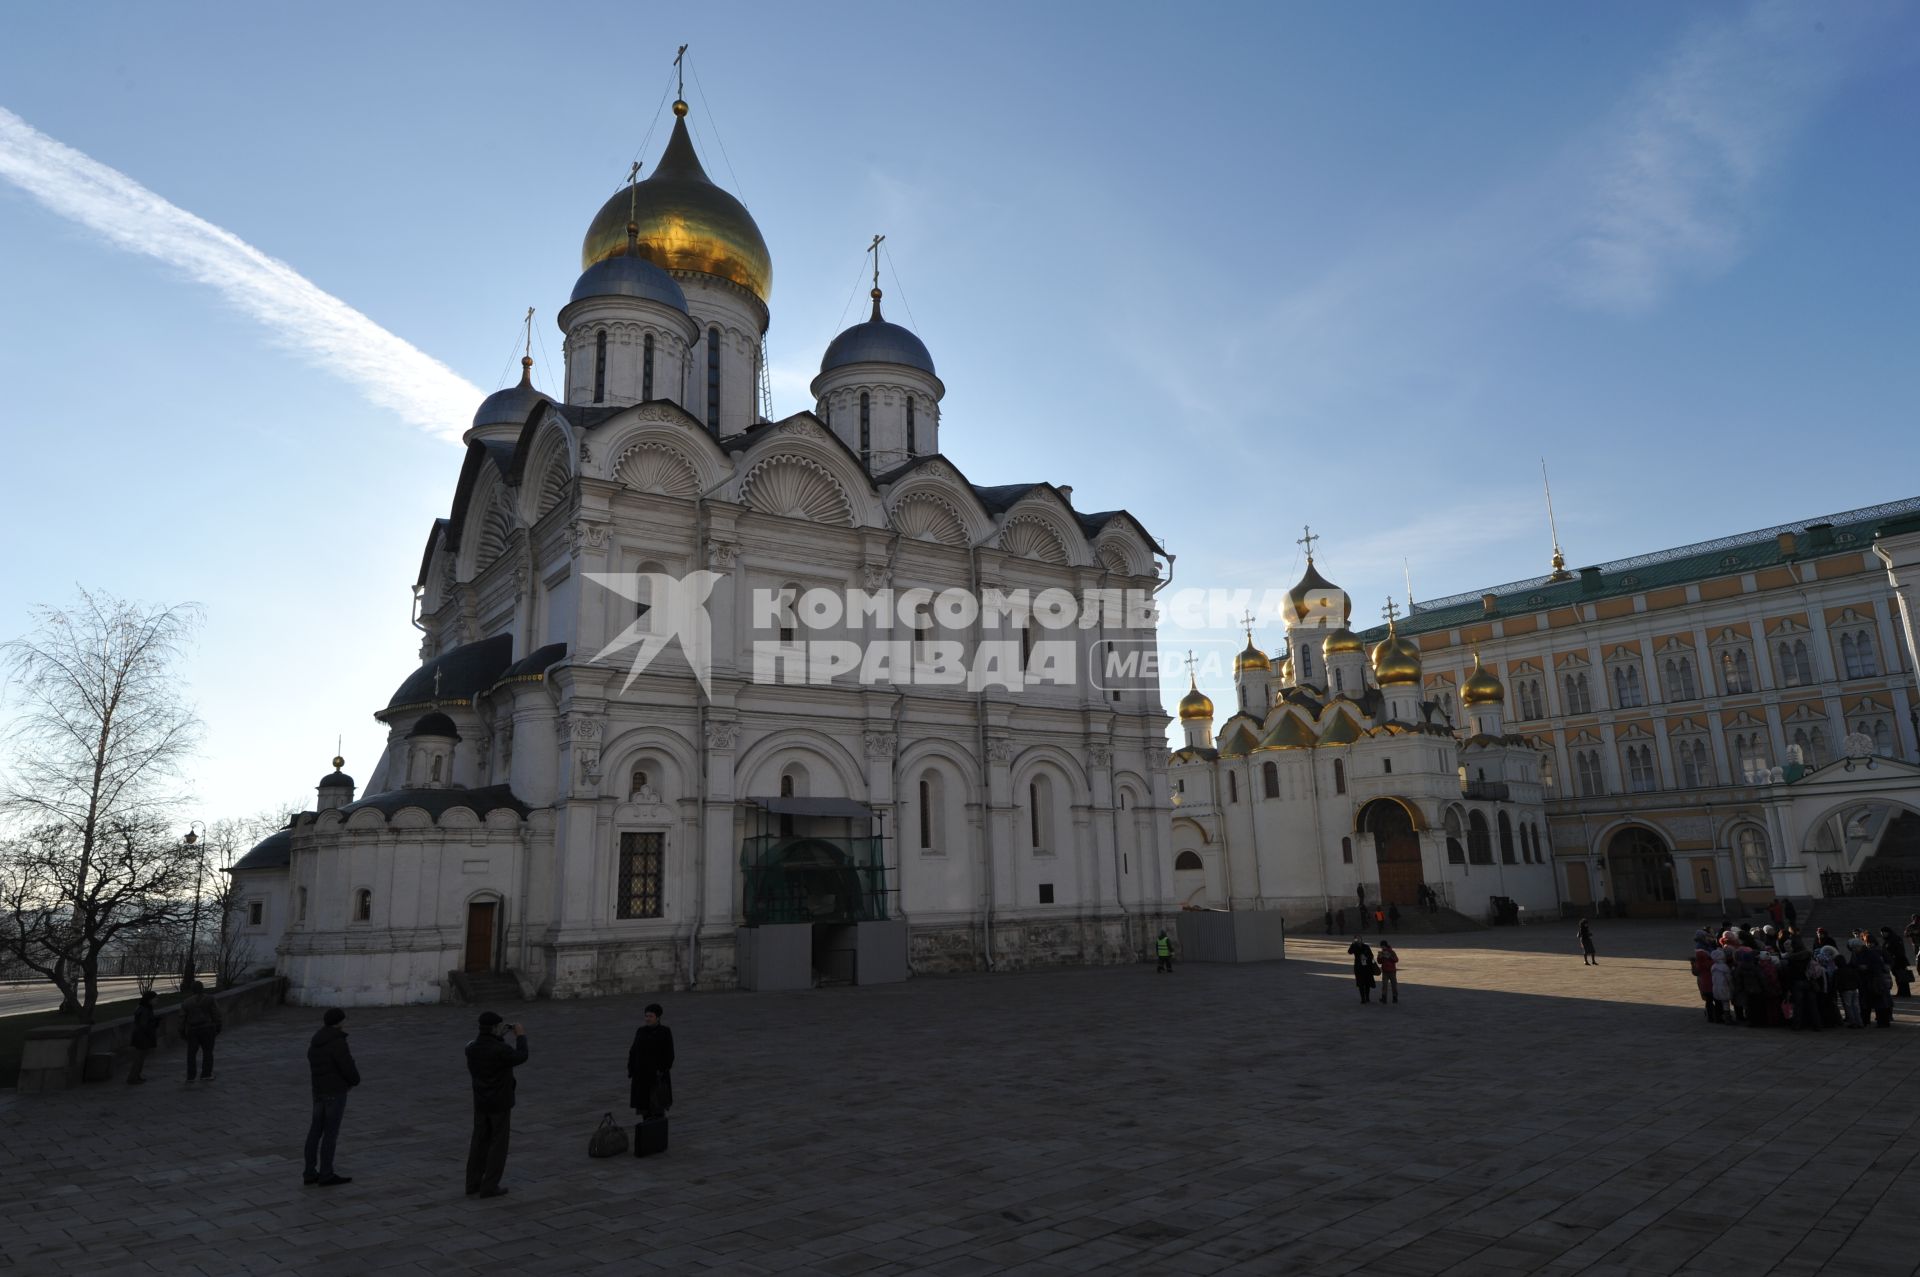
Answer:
(980, 735)
(701, 773)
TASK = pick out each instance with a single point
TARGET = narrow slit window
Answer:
(646, 368)
(600, 366)
(713, 380)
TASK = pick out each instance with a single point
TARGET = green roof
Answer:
(1850, 532)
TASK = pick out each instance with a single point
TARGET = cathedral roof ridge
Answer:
(438, 802)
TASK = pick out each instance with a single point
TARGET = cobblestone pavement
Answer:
(1516, 1112)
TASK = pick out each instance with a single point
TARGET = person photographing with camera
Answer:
(491, 1062)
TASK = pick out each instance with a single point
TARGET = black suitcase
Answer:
(650, 1136)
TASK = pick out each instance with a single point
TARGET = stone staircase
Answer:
(1413, 922)
(486, 988)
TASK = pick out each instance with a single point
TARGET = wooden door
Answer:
(480, 935)
(1579, 888)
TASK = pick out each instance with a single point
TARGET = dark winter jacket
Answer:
(650, 1064)
(330, 1062)
(146, 1027)
(200, 1012)
(1362, 963)
(491, 1062)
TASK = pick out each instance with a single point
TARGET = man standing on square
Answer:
(492, 1062)
(334, 1074)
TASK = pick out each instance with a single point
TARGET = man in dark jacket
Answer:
(200, 1022)
(491, 1062)
(334, 1074)
(650, 1065)
(146, 1036)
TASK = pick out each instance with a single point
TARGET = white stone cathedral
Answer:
(1335, 785)
(540, 814)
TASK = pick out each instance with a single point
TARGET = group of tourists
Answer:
(200, 1024)
(491, 1061)
(1774, 976)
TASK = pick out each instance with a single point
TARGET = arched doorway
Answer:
(1396, 849)
(1640, 868)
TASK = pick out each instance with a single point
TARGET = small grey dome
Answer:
(434, 724)
(877, 342)
(513, 405)
(630, 277)
(336, 780)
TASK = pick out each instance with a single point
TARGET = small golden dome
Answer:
(1481, 687)
(1341, 640)
(1396, 661)
(683, 221)
(1286, 670)
(1195, 705)
(1251, 659)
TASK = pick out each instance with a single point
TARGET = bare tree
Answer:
(227, 841)
(98, 732)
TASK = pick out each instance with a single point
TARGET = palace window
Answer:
(1579, 694)
(1696, 764)
(1680, 684)
(1796, 668)
(1627, 693)
(600, 366)
(1456, 850)
(1812, 746)
(1736, 672)
(640, 869)
(1856, 652)
(646, 368)
(1588, 777)
(1270, 777)
(1506, 840)
(1532, 704)
(1642, 778)
(363, 905)
(713, 380)
(1339, 776)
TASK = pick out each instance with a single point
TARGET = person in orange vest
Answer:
(1380, 920)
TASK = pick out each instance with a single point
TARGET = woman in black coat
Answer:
(1363, 967)
(650, 1065)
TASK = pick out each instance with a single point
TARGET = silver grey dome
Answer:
(877, 342)
(511, 406)
(630, 277)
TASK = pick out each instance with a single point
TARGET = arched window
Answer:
(435, 772)
(600, 366)
(363, 905)
(1270, 777)
(1750, 849)
(1187, 861)
(1736, 672)
(929, 803)
(1233, 787)
(713, 380)
(866, 426)
(646, 368)
(1456, 850)
(1479, 840)
(1039, 811)
(1539, 848)
(1339, 681)
(1346, 851)
(789, 596)
(1526, 846)
(1882, 738)
(1579, 694)
(1506, 841)
(913, 446)
(1339, 776)
(1869, 661)
(1587, 774)
(788, 780)
(637, 783)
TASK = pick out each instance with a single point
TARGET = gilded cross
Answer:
(680, 74)
(1192, 665)
(874, 248)
(1390, 611)
(1308, 541)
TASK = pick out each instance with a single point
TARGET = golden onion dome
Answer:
(1396, 661)
(1251, 658)
(1341, 640)
(1481, 687)
(1315, 598)
(685, 222)
(1195, 705)
(1286, 670)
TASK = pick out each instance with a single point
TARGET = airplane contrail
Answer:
(333, 335)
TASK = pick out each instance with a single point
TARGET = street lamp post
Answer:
(193, 934)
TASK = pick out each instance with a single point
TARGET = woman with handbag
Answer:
(650, 1065)
(1364, 967)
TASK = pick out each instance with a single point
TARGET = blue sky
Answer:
(1235, 268)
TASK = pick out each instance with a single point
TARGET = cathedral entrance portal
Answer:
(1396, 849)
(480, 916)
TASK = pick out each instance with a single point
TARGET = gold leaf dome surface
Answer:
(1341, 640)
(1195, 705)
(1481, 687)
(1314, 601)
(1396, 661)
(685, 222)
(1251, 658)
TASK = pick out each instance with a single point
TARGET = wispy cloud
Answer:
(333, 335)
(1673, 171)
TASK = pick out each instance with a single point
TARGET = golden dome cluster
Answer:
(684, 222)
(1481, 687)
